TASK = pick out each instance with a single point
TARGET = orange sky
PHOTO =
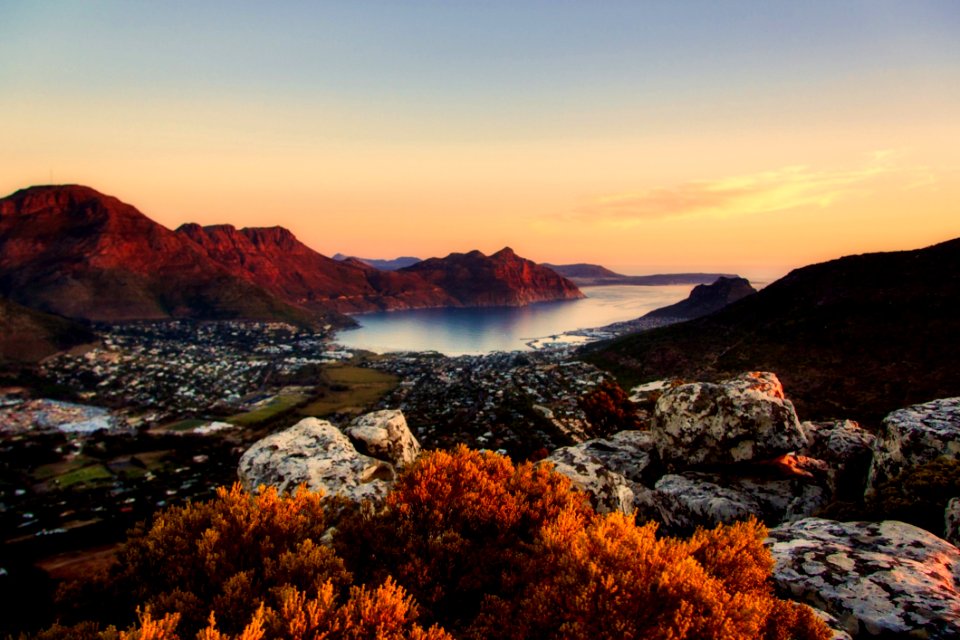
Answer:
(753, 153)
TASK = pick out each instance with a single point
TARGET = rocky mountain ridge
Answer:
(501, 279)
(72, 251)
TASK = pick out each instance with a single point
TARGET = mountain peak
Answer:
(75, 200)
(276, 235)
(502, 279)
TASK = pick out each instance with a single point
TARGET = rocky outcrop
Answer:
(385, 435)
(914, 436)
(738, 420)
(609, 491)
(686, 501)
(887, 579)
(316, 453)
(683, 503)
(628, 453)
(836, 630)
(846, 448)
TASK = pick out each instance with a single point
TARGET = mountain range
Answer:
(382, 265)
(77, 253)
(855, 337)
(594, 275)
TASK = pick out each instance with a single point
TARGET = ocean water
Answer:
(477, 331)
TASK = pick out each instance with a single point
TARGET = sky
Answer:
(738, 136)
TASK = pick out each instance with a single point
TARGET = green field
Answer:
(349, 389)
(57, 469)
(86, 474)
(183, 425)
(279, 404)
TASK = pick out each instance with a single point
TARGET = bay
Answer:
(477, 331)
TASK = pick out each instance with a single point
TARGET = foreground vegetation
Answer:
(467, 546)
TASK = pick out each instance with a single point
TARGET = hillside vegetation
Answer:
(467, 545)
(856, 337)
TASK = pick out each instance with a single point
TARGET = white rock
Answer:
(832, 623)
(742, 419)
(609, 491)
(385, 435)
(847, 448)
(684, 503)
(629, 453)
(913, 436)
(690, 499)
(876, 578)
(315, 452)
(650, 391)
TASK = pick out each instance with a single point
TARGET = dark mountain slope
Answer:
(855, 337)
(28, 336)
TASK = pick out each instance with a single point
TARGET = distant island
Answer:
(594, 275)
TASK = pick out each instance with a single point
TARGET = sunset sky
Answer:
(647, 136)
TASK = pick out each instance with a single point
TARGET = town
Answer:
(159, 413)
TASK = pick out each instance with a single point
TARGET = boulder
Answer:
(887, 579)
(688, 500)
(742, 419)
(951, 521)
(832, 623)
(385, 435)
(848, 450)
(317, 453)
(629, 453)
(913, 436)
(650, 392)
(609, 491)
(684, 503)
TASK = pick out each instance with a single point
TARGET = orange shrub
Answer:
(483, 547)
(609, 578)
(455, 528)
(228, 555)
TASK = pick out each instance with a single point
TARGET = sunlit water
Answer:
(476, 331)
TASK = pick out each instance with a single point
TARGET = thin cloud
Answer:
(765, 192)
